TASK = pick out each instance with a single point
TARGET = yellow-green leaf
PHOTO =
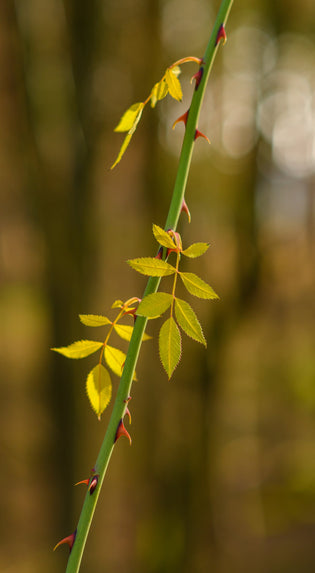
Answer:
(79, 349)
(159, 91)
(99, 389)
(152, 267)
(170, 345)
(122, 149)
(130, 118)
(115, 359)
(125, 332)
(94, 319)
(153, 305)
(163, 238)
(117, 304)
(196, 250)
(197, 286)
(173, 84)
(188, 321)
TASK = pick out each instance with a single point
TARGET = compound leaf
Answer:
(196, 250)
(115, 359)
(188, 321)
(153, 305)
(197, 286)
(79, 349)
(170, 345)
(125, 332)
(94, 319)
(159, 91)
(163, 238)
(99, 389)
(152, 267)
(173, 83)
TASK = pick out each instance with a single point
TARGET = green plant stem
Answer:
(125, 384)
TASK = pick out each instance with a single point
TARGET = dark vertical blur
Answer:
(221, 473)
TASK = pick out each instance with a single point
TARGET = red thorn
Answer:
(198, 77)
(185, 209)
(68, 540)
(199, 134)
(121, 431)
(127, 411)
(221, 35)
(181, 118)
(93, 484)
(85, 481)
(160, 253)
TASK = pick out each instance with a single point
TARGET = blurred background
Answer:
(221, 473)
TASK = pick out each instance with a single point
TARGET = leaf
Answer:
(99, 389)
(79, 349)
(115, 359)
(94, 319)
(130, 118)
(163, 238)
(197, 286)
(170, 345)
(153, 305)
(159, 91)
(128, 122)
(125, 332)
(117, 304)
(152, 267)
(173, 84)
(188, 321)
(196, 250)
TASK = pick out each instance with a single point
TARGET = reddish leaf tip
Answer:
(200, 134)
(221, 35)
(69, 540)
(181, 118)
(121, 431)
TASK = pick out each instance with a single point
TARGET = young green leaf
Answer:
(188, 321)
(117, 304)
(152, 267)
(173, 84)
(130, 118)
(99, 389)
(196, 250)
(79, 349)
(115, 359)
(159, 91)
(163, 238)
(197, 286)
(94, 319)
(153, 305)
(128, 122)
(125, 332)
(170, 345)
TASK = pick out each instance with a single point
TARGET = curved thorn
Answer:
(221, 35)
(200, 134)
(185, 209)
(181, 118)
(127, 411)
(121, 431)
(198, 77)
(67, 540)
(84, 481)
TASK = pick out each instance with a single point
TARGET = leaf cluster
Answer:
(181, 316)
(98, 382)
(169, 84)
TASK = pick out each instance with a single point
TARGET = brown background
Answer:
(221, 473)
